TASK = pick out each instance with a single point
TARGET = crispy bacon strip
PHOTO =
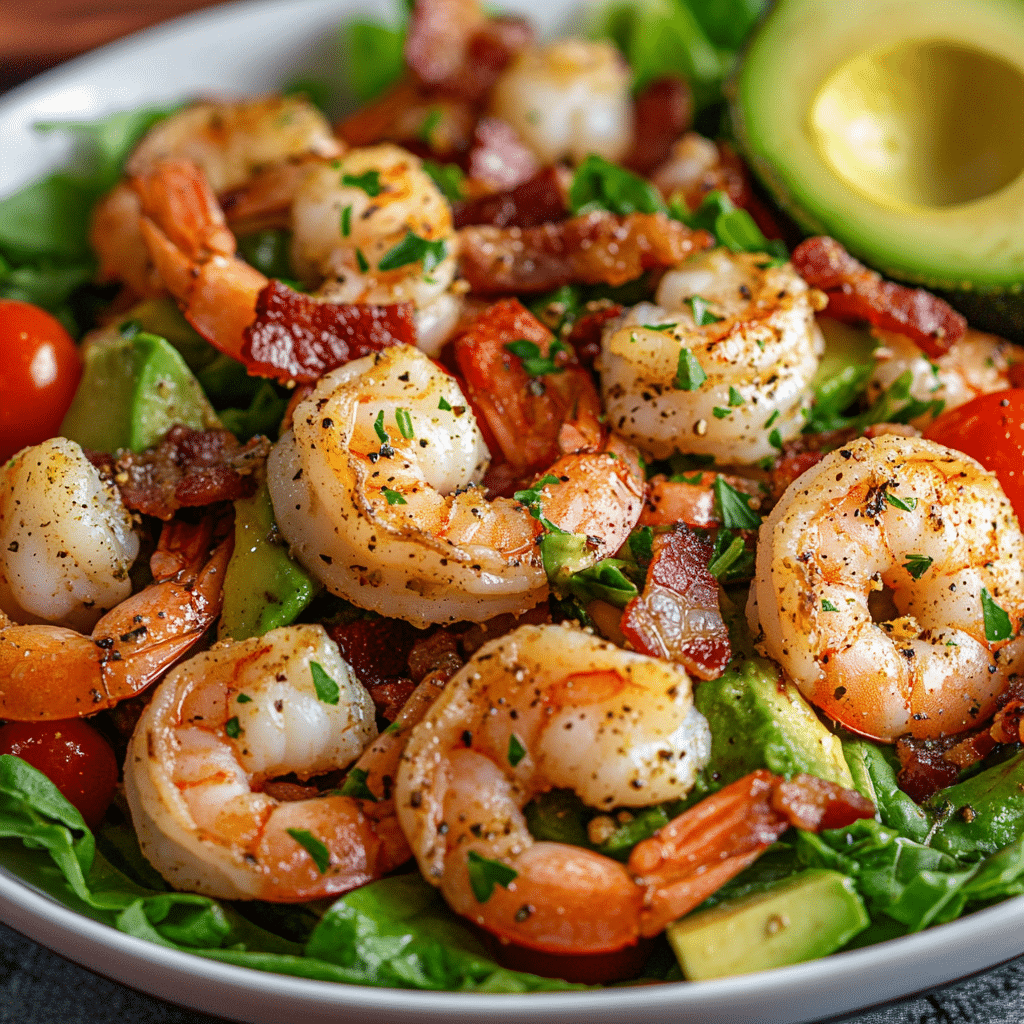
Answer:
(187, 469)
(856, 293)
(677, 616)
(661, 113)
(529, 204)
(701, 849)
(294, 337)
(525, 415)
(597, 248)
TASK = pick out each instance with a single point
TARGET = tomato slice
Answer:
(73, 756)
(990, 428)
(40, 374)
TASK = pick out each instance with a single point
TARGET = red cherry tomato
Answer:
(73, 756)
(990, 428)
(40, 372)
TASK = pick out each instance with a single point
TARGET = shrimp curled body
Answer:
(218, 727)
(882, 578)
(545, 707)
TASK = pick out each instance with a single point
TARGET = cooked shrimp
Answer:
(234, 143)
(388, 238)
(49, 672)
(548, 707)
(376, 489)
(889, 588)
(976, 365)
(720, 364)
(567, 100)
(219, 727)
(66, 539)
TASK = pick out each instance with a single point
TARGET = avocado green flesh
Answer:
(897, 127)
(758, 720)
(807, 916)
(264, 587)
(133, 390)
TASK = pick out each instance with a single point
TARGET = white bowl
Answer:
(249, 47)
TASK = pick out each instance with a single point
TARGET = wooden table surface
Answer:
(38, 987)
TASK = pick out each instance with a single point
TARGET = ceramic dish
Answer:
(246, 48)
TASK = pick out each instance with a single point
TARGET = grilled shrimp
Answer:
(889, 587)
(66, 539)
(721, 363)
(567, 100)
(261, 142)
(217, 729)
(376, 489)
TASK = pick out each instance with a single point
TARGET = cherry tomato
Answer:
(990, 428)
(40, 373)
(73, 756)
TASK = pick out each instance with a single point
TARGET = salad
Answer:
(625, 425)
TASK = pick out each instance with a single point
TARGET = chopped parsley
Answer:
(516, 750)
(734, 506)
(232, 728)
(905, 504)
(485, 874)
(917, 565)
(414, 249)
(997, 623)
(346, 221)
(404, 420)
(448, 178)
(378, 426)
(362, 261)
(535, 364)
(327, 689)
(355, 785)
(702, 315)
(368, 182)
(393, 497)
(827, 605)
(244, 698)
(689, 373)
(443, 404)
(318, 852)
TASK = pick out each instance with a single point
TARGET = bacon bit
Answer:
(677, 616)
(498, 160)
(287, 792)
(480, 633)
(661, 113)
(856, 293)
(377, 649)
(700, 850)
(924, 768)
(534, 202)
(189, 468)
(597, 248)
(294, 337)
(437, 653)
(788, 468)
(389, 698)
(524, 414)
(585, 336)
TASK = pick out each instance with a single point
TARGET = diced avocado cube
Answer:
(133, 390)
(805, 917)
(264, 587)
(759, 720)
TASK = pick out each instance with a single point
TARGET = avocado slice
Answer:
(133, 390)
(899, 135)
(810, 915)
(760, 720)
(264, 587)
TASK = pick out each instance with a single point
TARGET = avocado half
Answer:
(897, 127)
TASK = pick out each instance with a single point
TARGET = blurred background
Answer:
(37, 34)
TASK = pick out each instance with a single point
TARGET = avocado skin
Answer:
(133, 390)
(758, 720)
(982, 814)
(999, 313)
(809, 915)
(264, 587)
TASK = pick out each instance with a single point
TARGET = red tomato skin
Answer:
(990, 428)
(41, 370)
(73, 756)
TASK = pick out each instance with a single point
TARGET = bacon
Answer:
(661, 113)
(534, 202)
(677, 616)
(924, 769)
(856, 293)
(597, 248)
(377, 649)
(189, 468)
(813, 804)
(498, 159)
(296, 338)
(524, 414)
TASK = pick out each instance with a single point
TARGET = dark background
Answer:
(38, 987)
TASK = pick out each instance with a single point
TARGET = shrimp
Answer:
(50, 672)
(376, 490)
(720, 365)
(549, 707)
(66, 539)
(386, 236)
(568, 99)
(218, 728)
(235, 144)
(976, 365)
(889, 588)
